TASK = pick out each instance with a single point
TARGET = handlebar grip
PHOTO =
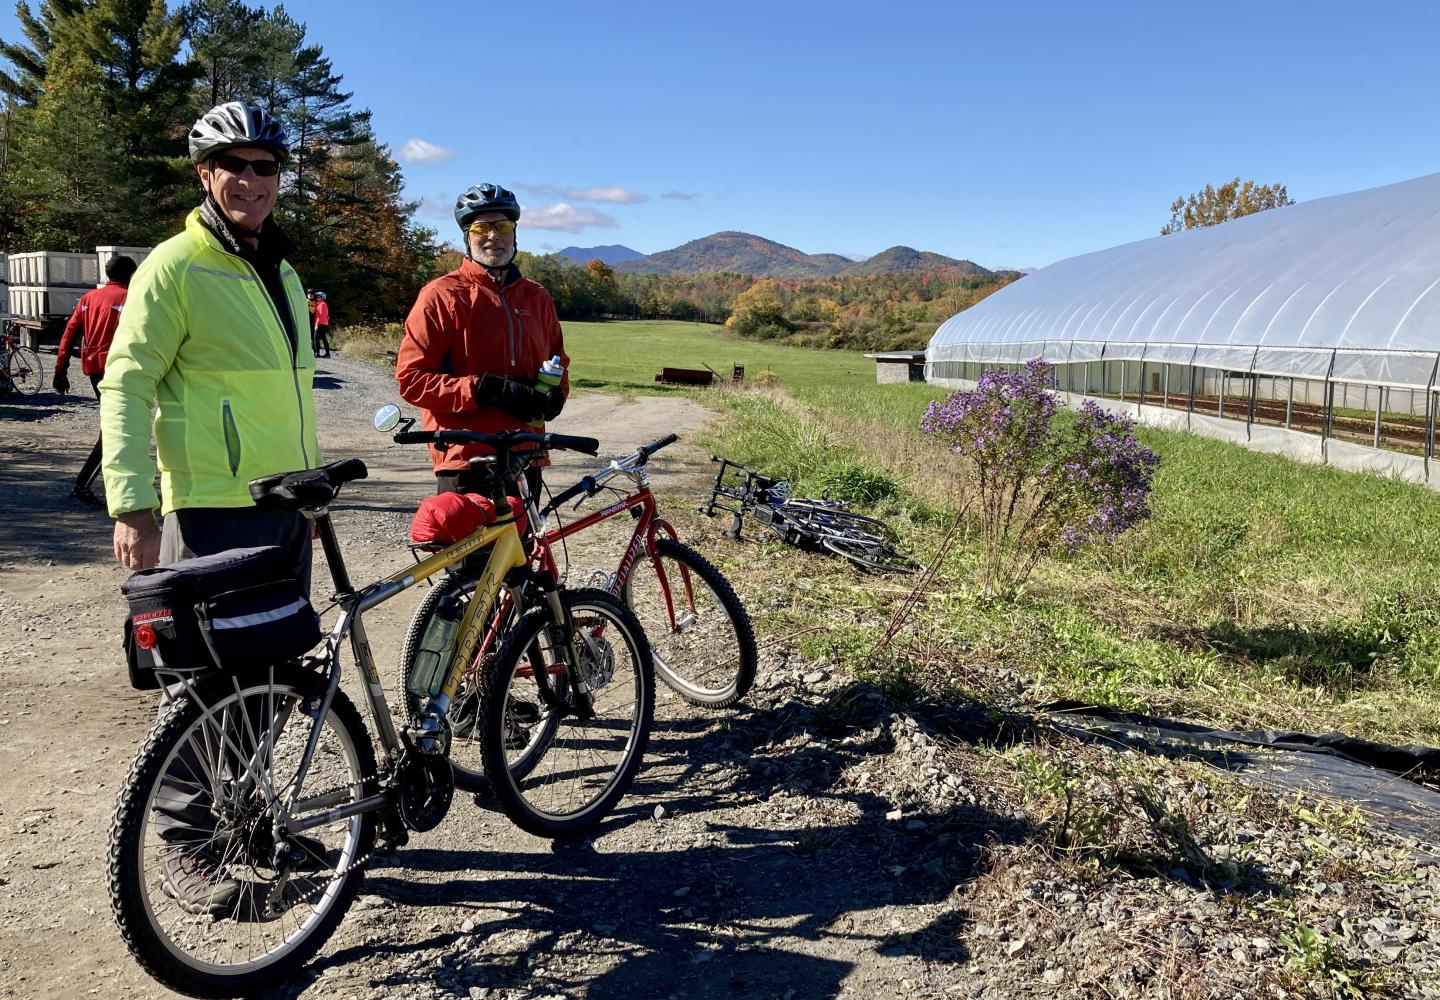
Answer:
(567, 442)
(586, 485)
(655, 446)
(415, 437)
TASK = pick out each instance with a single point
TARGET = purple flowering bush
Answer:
(1041, 481)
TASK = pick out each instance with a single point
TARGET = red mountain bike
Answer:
(700, 636)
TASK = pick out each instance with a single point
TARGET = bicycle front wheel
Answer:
(464, 714)
(566, 714)
(700, 636)
(206, 899)
(25, 370)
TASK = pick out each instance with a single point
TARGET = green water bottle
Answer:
(437, 646)
(551, 372)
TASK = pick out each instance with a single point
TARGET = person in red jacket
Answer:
(94, 320)
(476, 338)
(320, 333)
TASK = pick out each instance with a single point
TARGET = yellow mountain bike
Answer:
(278, 766)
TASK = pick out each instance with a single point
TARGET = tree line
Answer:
(871, 312)
(98, 98)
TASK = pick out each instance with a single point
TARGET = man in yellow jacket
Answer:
(215, 330)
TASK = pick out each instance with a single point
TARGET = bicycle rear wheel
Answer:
(599, 700)
(871, 553)
(204, 900)
(700, 636)
(25, 370)
(824, 521)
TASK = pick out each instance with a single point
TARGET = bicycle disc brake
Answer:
(426, 785)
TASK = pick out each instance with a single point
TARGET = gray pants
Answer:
(183, 802)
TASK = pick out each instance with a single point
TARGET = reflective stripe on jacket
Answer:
(201, 337)
(462, 326)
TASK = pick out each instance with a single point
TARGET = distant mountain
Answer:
(612, 255)
(906, 260)
(742, 252)
(749, 254)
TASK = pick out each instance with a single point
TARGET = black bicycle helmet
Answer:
(236, 125)
(483, 198)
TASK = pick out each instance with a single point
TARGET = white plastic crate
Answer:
(42, 303)
(103, 255)
(50, 269)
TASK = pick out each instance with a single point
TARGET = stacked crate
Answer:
(103, 255)
(48, 284)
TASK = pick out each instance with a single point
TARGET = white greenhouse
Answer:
(1312, 330)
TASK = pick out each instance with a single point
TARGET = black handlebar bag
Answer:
(225, 611)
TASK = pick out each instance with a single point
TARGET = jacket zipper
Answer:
(509, 329)
(294, 352)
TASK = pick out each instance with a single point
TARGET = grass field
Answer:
(1262, 592)
(626, 357)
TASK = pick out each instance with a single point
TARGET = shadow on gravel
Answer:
(35, 482)
(706, 907)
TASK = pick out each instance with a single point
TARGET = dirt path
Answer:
(815, 842)
(708, 899)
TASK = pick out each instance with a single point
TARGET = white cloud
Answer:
(437, 206)
(420, 151)
(613, 194)
(565, 218)
(678, 196)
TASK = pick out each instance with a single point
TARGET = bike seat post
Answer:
(328, 541)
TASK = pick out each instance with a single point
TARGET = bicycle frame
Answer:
(506, 554)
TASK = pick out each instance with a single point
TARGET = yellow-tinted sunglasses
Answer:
(503, 226)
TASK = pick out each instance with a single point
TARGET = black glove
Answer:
(61, 382)
(515, 398)
(553, 402)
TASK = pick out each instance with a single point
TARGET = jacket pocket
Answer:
(232, 436)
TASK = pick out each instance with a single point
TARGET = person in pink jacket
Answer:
(321, 334)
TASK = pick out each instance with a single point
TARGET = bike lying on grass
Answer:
(244, 823)
(825, 524)
(700, 637)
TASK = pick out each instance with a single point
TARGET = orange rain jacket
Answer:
(95, 318)
(461, 327)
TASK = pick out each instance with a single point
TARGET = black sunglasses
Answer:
(237, 165)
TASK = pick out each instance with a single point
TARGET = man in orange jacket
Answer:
(476, 338)
(94, 320)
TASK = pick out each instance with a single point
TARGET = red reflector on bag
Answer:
(145, 636)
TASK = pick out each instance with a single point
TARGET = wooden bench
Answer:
(685, 376)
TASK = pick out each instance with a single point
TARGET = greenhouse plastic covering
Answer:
(1346, 287)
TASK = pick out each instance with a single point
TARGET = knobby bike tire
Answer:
(872, 553)
(25, 371)
(706, 654)
(187, 950)
(576, 777)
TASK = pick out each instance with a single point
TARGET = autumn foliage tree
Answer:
(1229, 201)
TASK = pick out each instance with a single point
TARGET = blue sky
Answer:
(1012, 135)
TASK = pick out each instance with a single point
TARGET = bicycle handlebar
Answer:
(504, 440)
(590, 485)
(643, 455)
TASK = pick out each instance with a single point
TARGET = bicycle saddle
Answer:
(308, 489)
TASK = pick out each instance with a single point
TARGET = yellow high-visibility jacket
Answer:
(201, 336)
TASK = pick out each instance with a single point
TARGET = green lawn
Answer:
(626, 357)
